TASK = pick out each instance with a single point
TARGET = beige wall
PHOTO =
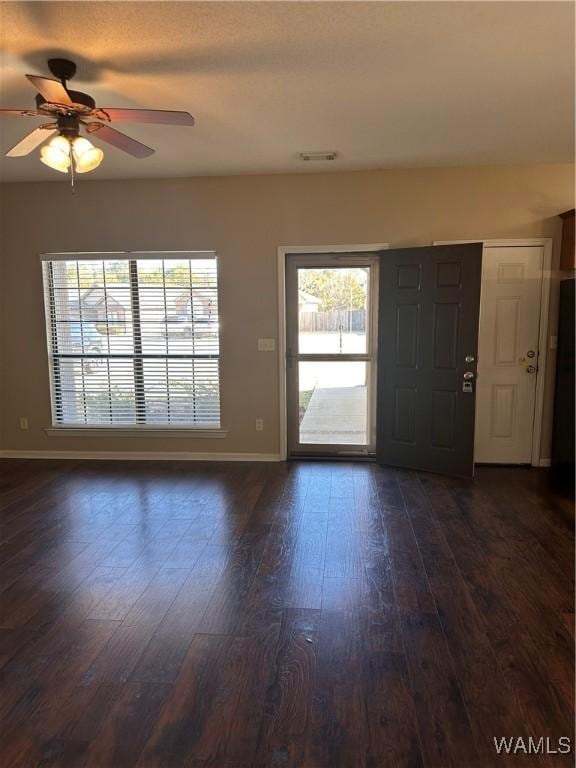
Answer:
(244, 219)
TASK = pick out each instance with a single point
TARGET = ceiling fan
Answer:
(72, 111)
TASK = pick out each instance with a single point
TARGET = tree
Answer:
(336, 288)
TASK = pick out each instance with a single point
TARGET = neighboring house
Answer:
(94, 310)
(204, 305)
(307, 302)
(98, 309)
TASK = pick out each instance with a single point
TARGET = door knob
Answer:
(468, 375)
(530, 369)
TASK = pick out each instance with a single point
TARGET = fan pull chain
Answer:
(72, 171)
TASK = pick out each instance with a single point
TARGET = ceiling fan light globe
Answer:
(89, 160)
(56, 154)
(54, 167)
(87, 157)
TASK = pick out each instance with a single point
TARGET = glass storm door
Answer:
(331, 346)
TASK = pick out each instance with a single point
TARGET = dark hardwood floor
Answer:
(322, 615)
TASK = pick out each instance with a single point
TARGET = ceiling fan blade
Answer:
(52, 90)
(158, 116)
(119, 140)
(30, 142)
(23, 112)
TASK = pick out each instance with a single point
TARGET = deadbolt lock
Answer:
(530, 353)
(530, 369)
(469, 359)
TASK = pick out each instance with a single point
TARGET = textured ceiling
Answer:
(385, 84)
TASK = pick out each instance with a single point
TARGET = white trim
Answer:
(140, 455)
(543, 344)
(143, 431)
(543, 340)
(283, 251)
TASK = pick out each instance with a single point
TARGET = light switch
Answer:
(266, 345)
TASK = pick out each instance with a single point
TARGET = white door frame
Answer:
(546, 243)
(283, 252)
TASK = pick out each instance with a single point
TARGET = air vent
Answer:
(318, 156)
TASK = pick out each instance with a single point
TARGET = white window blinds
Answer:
(133, 339)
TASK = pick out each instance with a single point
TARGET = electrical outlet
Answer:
(259, 425)
(23, 422)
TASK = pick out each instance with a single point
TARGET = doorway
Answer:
(520, 266)
(351, 320)
(331, 347)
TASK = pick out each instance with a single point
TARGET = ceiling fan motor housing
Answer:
(68, 126)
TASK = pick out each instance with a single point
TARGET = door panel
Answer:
(443, 419)
(428, 326)
(407, 331)
(508, 353)
(446, 325)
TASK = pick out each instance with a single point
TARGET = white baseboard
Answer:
(157, 456)
(140, 455)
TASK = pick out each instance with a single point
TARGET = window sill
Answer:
(143, 431)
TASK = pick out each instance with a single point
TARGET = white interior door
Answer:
(508, 353)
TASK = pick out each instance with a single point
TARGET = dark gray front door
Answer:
(427, 350)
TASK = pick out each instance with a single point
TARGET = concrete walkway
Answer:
(335, 415)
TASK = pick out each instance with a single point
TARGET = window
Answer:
(133, 339)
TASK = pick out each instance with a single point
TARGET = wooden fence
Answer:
(333, 320)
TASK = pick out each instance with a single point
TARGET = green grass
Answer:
(303, 402)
